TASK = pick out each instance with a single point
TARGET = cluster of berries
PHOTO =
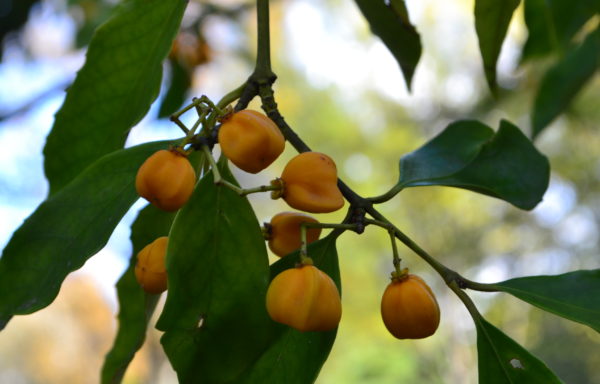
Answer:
(303, 297)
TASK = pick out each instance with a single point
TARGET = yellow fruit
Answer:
(304, 298)
(284, 232)
(310, 183)
(166, 179)
(409, 309)
(250, 140)
(150, 270)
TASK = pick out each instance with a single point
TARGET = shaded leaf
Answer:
(564, 80)
(469, 155)
(574, 295)
(552, 24)
(492, 18)
(502, 360)
(135, 306)
(296, 357)
(393, 27)
(181, 80)
(67, 229)
(214, 319)
(114, 89)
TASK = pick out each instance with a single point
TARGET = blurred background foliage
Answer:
(343, 93)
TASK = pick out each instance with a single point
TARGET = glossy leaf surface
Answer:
(574, 295)
(214, 319)
(135, 306)
(492, 18)
(392, 25)
(564, 80)
(67, 229)
(469, 155)
(114, 89)
(502, 360)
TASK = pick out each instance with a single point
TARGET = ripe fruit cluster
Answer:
(303, 297)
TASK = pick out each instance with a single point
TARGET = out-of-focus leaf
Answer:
(13, 15)
(114, 89)
(574, 295)
(564, 80)
(135, 306)
(67, 229)
(214, 319)
(391, 24)
(296, 357)
(492, 18)
(552, 24)
(502, 360)
(181, 80)
(467, 154)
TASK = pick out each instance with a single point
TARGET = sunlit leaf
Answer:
(492, 18)
(67, 229)
(296, 357)
(564, 80)
(502, 360)
(469, 155)
(392, 25)
(552, 24)
(114, 89)
(180, 81)
(214, 319)
(135, 306)
(574, 295)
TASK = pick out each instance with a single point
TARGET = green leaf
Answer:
(296, 357)
(492, 18)
(502, 360)
(392, 25)
(135, 306)
(215, 320)
(467, 154)
(574, 295)
(114, 89)
(181, 80)
(552, 24)
(564, 80)
(67, 229)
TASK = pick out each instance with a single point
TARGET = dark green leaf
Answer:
(467, 154)
(392, 25)
(214, 319)
(552, 24)
(502, 360)
(135, 306)
(67, 229)
(114, 89)
(492, 18)
(574, 295)
(181, 79)
(296, 357)
(564, 80)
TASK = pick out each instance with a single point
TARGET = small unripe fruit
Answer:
(305, 298)
(310, 183)
(250, 140)
(409, 309)
(150, 270)
(166, 179)
(284, 232)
